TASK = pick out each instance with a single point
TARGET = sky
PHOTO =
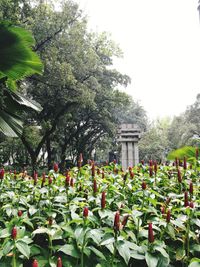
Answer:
(160, 40)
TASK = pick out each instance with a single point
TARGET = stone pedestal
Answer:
(128, 136)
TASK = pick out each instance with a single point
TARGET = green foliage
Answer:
(51, 223)
(17, 58)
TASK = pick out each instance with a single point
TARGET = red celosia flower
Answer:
(150, 163)
(162, 209)
(186, 202)
(59, 262)
(150, 171)
(19, 213)
(80, 160)
(168, 216)
(197, 153)
(50, 180)
(14, 232)
(67, 180)
(168, 200)
(85, 212)
(124, 221)
(55, 167)
(155, 167)
(142, 162)
(103, 200)
(35, 263)
(2, 173)
(144, 185)
(192, 204)
(191, 188)
(93, 169)
(179, 176)
(184, 163)
(117, 221)
(95, 186)
(176, 162)
(72, 182)
(150, 233)
(131, 174)
(50, 220)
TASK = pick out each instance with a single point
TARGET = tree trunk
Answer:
(49, 154)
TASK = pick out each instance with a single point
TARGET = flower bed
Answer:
(147, 216)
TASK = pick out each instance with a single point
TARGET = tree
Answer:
(154, 143)
(77, 70)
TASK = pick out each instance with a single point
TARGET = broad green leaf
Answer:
(7, 247)
(70, 250)
(124, 251)
(23, 248)
(180, 253)
(107, 239)
(97, 252)
(195, 263)
(4, 233)
(151, 259)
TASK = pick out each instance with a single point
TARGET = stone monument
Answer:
(128, 136)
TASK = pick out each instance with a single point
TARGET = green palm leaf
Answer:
(17, 60)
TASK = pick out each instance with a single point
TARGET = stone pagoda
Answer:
(128, 137)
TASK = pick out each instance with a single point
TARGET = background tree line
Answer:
(79, 92)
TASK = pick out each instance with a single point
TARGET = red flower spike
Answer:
(19, 213)
(168, 216)
(59, 262)
(14, 232)
(55, 167)
(155, 167)
(150, 171)
(93, 169)
(168, 200)
(117, 221)
(142, 162)
(2, 174)
(95, 186)
(186, 202)
(72, 182)
(162, 209)
(67, 180)
(144, 185)
(50, 180)
(80, 160)
(50, 220)
(103, 200)
(125, 220)
(150, 163)
(132, 174)
(184, 163)
(197, 153)
(192, 204)
(85, 212)
(176, 162)
(191, 188)
(150, 233)
(179, 176)
(35, 263)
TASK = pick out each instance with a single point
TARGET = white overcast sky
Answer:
(160, 40)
